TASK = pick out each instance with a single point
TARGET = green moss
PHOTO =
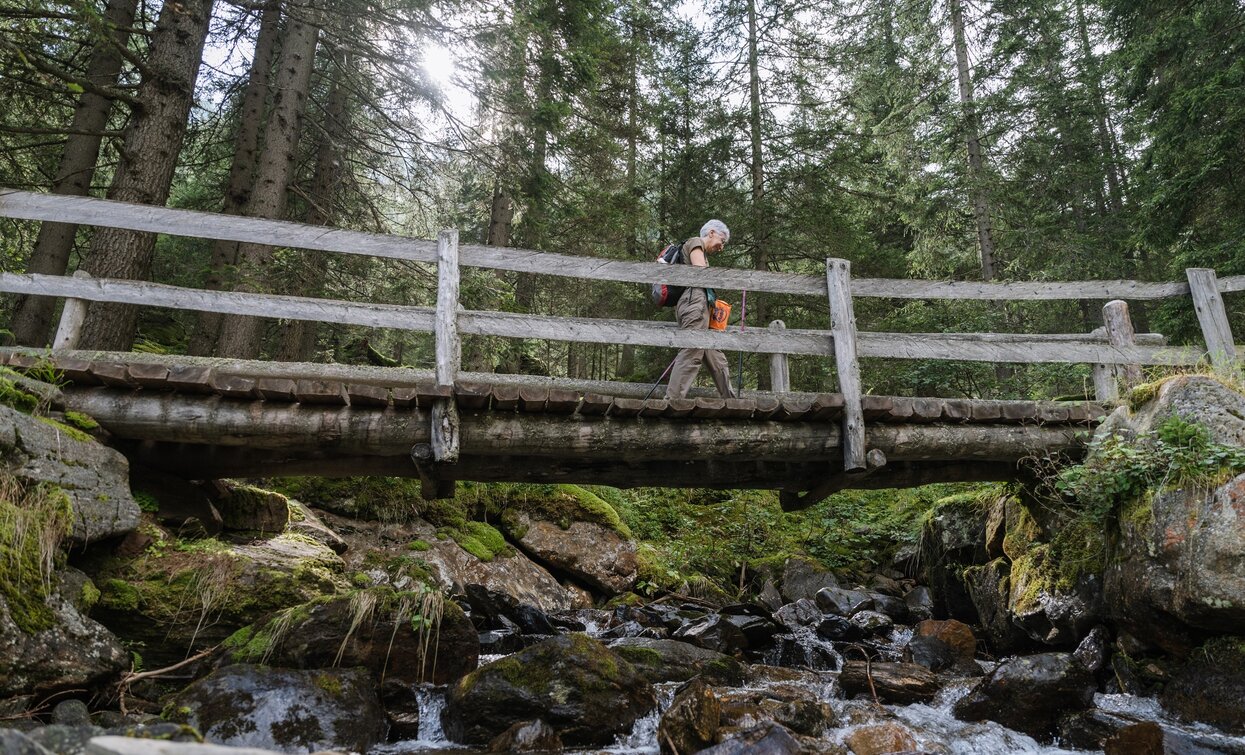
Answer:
(475, 547)
(120, 595)
(640, 656)
(72, 432)
(13, 396)
(146, 501)
(81, 421)
(1020, 533)
(418, 545)
(1144, 394)
(33, 521)
(89, 597)
(330, 684)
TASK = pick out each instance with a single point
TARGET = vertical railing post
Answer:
(445, 440)
(843, 328)
(1211, 315)
(1120, 332)
(1106, 387)
(73, 314)
(779, 376)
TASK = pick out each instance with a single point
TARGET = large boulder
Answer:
(292, 711)
(675, 661)
(1194, 398)
(402, 637)
(1029, 693)
(802, 579)
(588, 551)
(588, 693)
(989, 585)
(181, 595)
(46, 641)
(953, 538)
(95, 478)
(1179, 565)
(691, 722)
(1211, 686)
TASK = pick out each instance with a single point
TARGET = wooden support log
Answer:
(431, 485)
(72, 316)
(1105, 386)
(445, 419)
(843, 327)
(779, 374)
(791, 501)
(1211, 315)
(322, 429)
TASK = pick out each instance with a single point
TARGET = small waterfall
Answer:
(804, 648)
(431, 703)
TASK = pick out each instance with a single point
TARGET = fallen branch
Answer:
(132, 676)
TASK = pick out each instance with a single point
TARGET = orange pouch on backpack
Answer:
(718, 316)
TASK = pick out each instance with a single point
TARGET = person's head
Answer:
(715, 234)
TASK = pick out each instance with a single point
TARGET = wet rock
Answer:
(880, 739)
(375, 629)
(182, 506)
(109, 745)
(871, 622)
(839, 629)
(56, 647)
(527, 736)
(920, 603)
(249, 509)
(15, 743)
(893, 607)
(283, 709)
(1211, 686)
(801, 613)
(306, 522)
(676, 661)
(757, 630)
(957, 635)
(795, 706)
(952, 538)
(769, 597)
(493, 609)
(174, 599)
(591, 552)
(65, 738)
(1092, 652)
(801, 650)
(95, 478)
(930, 652)
(842, 602)
(585, 691)
(1029, 693)
(1053, 617)
(71, 713)
(766, 739)
(803, 579)
(500, 641)
(714, 632)
(892, 682)
(990, 588)
(996, 529)
(1179, 566)
(691, 723)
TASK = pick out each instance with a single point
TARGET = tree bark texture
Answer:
(32, 319)
(241, 169)
(760, 221)
(149, 153)
(242, 336)
(972, 138)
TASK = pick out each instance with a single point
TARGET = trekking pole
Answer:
(663, 377)
(743, 325)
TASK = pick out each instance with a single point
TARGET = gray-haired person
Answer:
(692, 312)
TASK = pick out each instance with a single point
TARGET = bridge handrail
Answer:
(193, 223)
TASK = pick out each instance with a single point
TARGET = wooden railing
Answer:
(1115, 349)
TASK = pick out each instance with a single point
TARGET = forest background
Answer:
(944, 139)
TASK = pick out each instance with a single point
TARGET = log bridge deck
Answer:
(220, 417)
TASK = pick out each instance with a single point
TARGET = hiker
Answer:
(692, 312)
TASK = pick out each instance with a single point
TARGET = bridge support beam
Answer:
(445, 433)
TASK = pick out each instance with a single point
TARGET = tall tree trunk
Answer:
(298, 341)
(1106, 140)
(241, 336)
(241, 169)
(760, 229)
(501, 215)
(149, 154)
(972, 137)
(32, 318)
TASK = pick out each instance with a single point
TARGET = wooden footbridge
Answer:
(220, 417)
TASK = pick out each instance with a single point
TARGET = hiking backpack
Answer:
(665, 295)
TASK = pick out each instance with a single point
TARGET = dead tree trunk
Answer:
(149, 154)
(241, 336)
(32, 319)
(241, 170)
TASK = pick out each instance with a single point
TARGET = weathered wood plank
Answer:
(320, 392)
(627, 407)
(957, 410)
(1119, 327)
(505, 398)
(472, 396)
(561, 401)
(793, 408)
(148, 375)
(926, 409)
(73, 314)
(367, 395)
(675, 407)
(406, 396)
(448, 345)
(708, 407)
(275, 389)
(189, 378)
(446, 434)
(738, 408)
(112, 374)
(654, 407)
(1211, 315)
(594, 404)
(779, 372)
(532, 398)
(1106, 387)
(826, 407)
(846, 363)
(77, 371)
(234, 386)
(987, 348)
(765, 407)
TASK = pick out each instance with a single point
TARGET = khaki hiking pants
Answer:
(692, 312)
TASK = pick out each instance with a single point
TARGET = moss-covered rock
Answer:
(585, 691)
(588, 551)
(250, 509)
(405, 637)
(1210, 687)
